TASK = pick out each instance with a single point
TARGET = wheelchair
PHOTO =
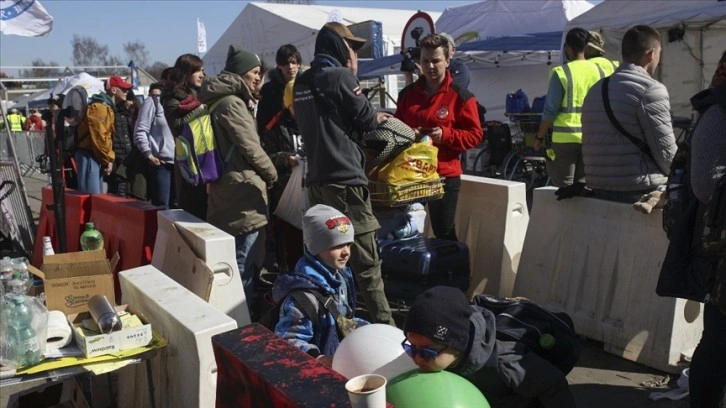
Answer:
(523, 163)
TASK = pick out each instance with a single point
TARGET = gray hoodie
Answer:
(152, 135)
(508, 373)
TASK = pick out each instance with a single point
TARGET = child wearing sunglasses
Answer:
(444, 332)
(327, 282)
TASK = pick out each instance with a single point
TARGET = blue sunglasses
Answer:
(425, 352)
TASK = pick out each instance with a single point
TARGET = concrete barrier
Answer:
(216, 248)
(185, 372)
(599, 261)
(492, 218)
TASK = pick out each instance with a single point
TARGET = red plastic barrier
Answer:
(78, 212)
(256, 368)
(129, 227)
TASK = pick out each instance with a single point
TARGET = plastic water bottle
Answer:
(91, 239)
(27, 347)
(47, 246)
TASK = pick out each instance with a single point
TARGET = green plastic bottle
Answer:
(91, 239)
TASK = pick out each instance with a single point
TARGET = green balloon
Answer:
(416, 389)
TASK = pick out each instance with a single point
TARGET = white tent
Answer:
(687, 64)
(495, 73)
(499, 18)
(264, 27)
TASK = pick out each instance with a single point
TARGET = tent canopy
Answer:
(499, 18)
(686, 64)
(481, 50)
(264, 27)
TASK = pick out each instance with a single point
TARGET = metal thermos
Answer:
(104, 314)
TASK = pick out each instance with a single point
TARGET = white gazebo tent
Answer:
(495, 73)
(693, 38)
(264, 27)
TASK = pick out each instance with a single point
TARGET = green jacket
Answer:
(237, 203)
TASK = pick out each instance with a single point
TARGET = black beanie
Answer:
(240, 61)
(441, 314)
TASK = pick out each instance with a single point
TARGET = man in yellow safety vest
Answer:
(568, 85)
(16, 120)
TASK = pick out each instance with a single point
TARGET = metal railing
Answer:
(28, 146)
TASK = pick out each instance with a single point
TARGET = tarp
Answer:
(476, 51)
(39, 99)
(263, 27)
(686, 64)
(499, 18)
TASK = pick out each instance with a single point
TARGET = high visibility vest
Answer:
(16, 121)
(576, 77)
(606, 66)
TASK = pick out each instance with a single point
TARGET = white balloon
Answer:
(373, 349)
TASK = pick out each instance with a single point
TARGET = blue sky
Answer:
(166, 27)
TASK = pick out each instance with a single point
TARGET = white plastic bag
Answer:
(294, 200)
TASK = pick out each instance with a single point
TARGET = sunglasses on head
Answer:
(424, 352)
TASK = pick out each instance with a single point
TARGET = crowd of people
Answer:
(611, 129)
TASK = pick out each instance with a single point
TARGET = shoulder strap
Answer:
(210, 109)
(307, 306)
(156, 111)
(640, 144)
(311, 310)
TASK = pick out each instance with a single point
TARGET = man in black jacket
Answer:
(332, 114)
(288, 62)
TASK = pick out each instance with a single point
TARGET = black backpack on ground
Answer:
(550, 335)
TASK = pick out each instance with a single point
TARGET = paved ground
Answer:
(600, 380)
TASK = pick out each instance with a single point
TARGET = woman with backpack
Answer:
(179, 98)
(444, 332)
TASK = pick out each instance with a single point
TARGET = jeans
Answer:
(158, 184)
(90, 179)
(248, 246)
(443, 212)
(707, 376)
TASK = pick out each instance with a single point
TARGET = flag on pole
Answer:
(134, 75)
(26, 18)
(201, 37)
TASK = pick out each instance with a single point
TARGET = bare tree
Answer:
(42, 72)
(156, 69)
(136, 51)
(87, 51)
(292, 1)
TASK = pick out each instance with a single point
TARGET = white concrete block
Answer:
(492, 218)
(217, 249)
(599, 261)
(185, 375)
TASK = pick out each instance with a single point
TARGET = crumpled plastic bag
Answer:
(417, 163)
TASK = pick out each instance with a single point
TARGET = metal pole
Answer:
(56, 176)
(16, 165)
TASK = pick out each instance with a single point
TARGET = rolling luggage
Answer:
(410, 266)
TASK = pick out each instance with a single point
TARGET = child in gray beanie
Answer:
(327, 282)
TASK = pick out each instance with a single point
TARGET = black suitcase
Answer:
(410, 266)
(499, 138)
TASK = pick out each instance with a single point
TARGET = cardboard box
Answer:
(71, 279)
(114, 342)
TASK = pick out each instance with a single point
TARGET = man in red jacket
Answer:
(434, 106)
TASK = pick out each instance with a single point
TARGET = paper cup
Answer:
(367, 391)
